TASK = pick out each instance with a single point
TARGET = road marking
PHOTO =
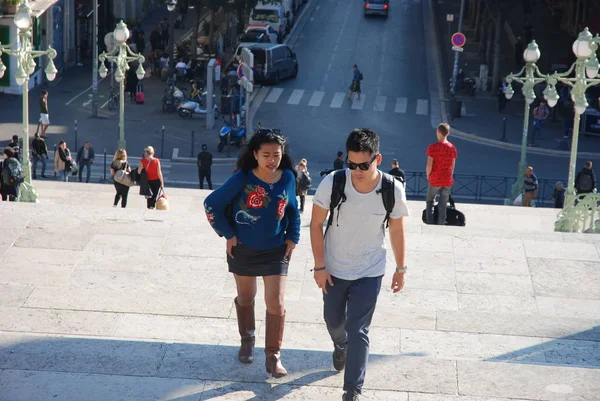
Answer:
(422, 107)
(274, 94)
(401, 103)
(379, 103)
(359, 104)
(175, 153)
(296, 96)
(338, 100)
(105, 103)
(316, 98)
(87, 102)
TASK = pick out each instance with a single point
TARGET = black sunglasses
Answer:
(270, 132)
(363, 166)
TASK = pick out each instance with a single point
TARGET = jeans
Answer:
(88, 165)
(537, 124)
(202, 174)
(35, 160)
(302, 201)
(64, 175)
(348, 310)
(442, 203)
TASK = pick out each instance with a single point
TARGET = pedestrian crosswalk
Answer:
(338, 100)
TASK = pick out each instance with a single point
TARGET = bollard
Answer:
(193, 142)
(104, 179)
(162, 143)
(75, 135)
(504, 139)
(54, 156)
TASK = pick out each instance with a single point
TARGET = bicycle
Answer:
(113, 100)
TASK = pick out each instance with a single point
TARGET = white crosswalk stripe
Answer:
(338, 100)
(380, 103)
(274, 94)
(401, 105)
(422, 107)
(316, 99)
(296, 96)
(359, 104)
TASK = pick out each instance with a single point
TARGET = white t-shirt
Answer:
(354, 245)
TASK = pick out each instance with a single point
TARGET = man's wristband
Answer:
(317, 269)
(401, 269)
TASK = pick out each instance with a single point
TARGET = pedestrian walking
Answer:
(303, 183)
(257, 212)
(338, 163)
(12, 176)
(85, 158)
(540, 113)
(140, 42)
(205, 161)
(164, 32)
(530, 187)
(396, 171)
(156, 182)
(120, 163)
(502, 100)
(357, 76)
(131, 82)
(585, 182)
(350, 258)
(44, 114)
(39, 153)
(155, 39)
(441, 159)
(63, 162)
(558, 195)
(14, 145)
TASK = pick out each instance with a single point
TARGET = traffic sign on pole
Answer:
(458, 39)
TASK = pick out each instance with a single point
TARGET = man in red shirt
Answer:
(441, 158)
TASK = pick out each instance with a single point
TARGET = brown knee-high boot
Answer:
(246, 326)
(273, 339)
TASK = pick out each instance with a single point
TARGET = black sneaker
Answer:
(350, 395)
(339, 359)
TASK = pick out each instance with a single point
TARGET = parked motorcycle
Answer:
(235, 135)
(464, 84)
(189, 107)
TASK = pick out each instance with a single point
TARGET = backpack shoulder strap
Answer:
(387, 192)
(337, 195)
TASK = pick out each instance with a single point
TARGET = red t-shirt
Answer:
(151, 167)
(443, 153)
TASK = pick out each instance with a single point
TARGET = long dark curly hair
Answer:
(246, 161)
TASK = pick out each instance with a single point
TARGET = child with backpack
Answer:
(303, 183)
(12, 176)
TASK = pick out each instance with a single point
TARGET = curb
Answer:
(473, 137)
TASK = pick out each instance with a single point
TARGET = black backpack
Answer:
(338, 196)
(584, 183)
(304, 182)
(11, 172)
(454, 217)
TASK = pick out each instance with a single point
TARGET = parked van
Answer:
(272, 14)
(273, 63)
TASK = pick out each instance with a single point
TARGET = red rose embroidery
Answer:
(255, 200)
(281, 207)
(210, 217)
(261, 191)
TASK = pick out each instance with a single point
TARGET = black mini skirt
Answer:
(248, 261)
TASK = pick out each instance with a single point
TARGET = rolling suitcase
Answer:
(139, 94)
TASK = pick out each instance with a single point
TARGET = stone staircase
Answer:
(102, 303)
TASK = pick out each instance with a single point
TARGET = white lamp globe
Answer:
(171, 5)
(118, 75)
(581, 105)
(102, 71)
(532, 54)
(581, 47)
(121, 33)
(2, 69)
(23, 17)
(51, 71)
(591, 67)
(140, 72)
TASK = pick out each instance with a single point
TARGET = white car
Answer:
(266, 29)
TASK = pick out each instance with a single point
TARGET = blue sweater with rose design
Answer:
(264, 218)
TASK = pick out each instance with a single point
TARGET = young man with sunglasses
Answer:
(350, 258)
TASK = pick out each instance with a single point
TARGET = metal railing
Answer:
(480, 188)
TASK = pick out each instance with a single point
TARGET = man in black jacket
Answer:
(205, 160)
(39, 153)
(85, 158)
(585, 183)
(396, 171)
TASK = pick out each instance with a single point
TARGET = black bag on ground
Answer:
(454, 217)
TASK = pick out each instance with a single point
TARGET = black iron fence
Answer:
(480, 188)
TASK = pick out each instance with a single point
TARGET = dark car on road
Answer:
(273, 62)
(377, 7)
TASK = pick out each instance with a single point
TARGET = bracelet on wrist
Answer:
(401, 269)
(317, 269)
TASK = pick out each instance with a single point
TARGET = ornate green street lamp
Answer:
(121, 55)
(24, 52)
(529, 76)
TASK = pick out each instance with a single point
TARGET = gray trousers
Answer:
(442, 202)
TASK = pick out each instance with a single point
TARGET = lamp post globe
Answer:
(592, 66)
(102, 71)
(509, 92)
(121, 33)
(171, 5)
(20, 76)
(23, 18)
(140, 72)
(581, 105)
(2, 69)
(532, 54)
(582, 46)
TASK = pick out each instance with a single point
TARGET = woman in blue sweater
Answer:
(257, 212)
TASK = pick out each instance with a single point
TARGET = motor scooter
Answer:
(189, 107)
(234, 136)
